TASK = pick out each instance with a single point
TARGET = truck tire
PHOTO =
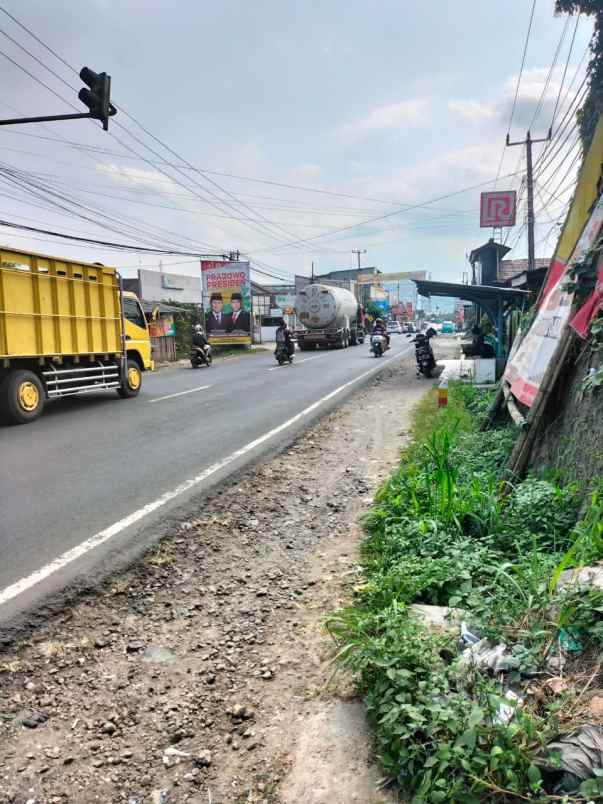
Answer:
(131, 386)
(353, 338)
(22, 397)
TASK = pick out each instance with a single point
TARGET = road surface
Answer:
(92, 480)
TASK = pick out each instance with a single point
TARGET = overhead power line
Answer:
(105, 243)
(400, 211)
(567, 61)
(264, 227)
(547, 82)
(523, 61)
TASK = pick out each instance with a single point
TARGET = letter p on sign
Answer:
(498, 209)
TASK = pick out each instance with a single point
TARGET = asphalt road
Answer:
(92, 480)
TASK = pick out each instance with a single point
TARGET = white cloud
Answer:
(472, 110)
(387, 117)
(130, 175)
(536, 97)
(307, 171)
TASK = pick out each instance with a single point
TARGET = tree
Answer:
(588, 115)
(373, 309)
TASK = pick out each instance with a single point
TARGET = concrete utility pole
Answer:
(528, 142)
(358, 252)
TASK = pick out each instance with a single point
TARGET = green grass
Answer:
(440, 532)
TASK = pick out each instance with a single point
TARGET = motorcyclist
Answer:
(285, 336)
(379, 328)
(200, 341)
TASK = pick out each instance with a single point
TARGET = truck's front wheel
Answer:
(131, 385)
(22, 397)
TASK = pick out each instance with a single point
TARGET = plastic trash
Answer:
(506, 711)
(467, 637)
(173, 756)
(571, 759)
(484, 656)
(569, 640)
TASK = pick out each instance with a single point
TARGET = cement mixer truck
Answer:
(330, 317)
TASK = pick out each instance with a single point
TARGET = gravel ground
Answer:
(203, 674)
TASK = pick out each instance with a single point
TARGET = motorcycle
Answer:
(424, 353)
(200, 356)
(282, 354)
(379, 344)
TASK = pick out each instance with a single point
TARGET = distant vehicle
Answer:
(66, 328)
(394, 328)
(330, 317)
(408, 326)
(447, 328)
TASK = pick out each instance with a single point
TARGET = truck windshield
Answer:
(133, 312)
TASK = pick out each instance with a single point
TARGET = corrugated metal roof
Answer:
(473, 293)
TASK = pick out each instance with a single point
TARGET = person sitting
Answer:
(284, 335)
(199, 339)
(379, 328)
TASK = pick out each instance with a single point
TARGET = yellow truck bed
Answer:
(50, 306)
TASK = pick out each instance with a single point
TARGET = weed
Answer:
(163, 556)
(440, 532)
(13, 665)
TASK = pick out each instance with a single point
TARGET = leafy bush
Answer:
(440, 532)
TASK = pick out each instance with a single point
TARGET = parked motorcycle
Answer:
(379, 344)
(282, 354)
(424, 353)
(200, 356)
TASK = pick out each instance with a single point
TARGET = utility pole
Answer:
(528, 142)
(358, 252)
(312, 271)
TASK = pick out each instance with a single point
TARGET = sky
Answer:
(297, 132)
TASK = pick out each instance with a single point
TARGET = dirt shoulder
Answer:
(204, 674)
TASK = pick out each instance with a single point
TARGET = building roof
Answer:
(489, 246)
(528, 280)
(148, 307)
(510, 268)
(473, 293)
(259, 290)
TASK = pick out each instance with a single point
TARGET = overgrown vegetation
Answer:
(588, 114)
(441, 533)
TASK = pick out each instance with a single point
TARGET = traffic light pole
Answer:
(528, 142)
(47, 119)
(97, 98)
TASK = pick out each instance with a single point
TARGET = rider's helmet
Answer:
(198, 328)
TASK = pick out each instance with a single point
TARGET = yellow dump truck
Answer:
(65, 328)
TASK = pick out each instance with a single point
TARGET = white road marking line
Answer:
(17, 588)
(181, 393)
(298, 362)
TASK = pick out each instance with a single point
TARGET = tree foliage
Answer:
(592, 107)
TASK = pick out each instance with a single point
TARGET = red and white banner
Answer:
(591, 307)
(497, 208)
(528, 363)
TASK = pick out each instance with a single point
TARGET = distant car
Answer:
(447, 328)
(394, 328)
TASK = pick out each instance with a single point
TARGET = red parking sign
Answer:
(498, 208)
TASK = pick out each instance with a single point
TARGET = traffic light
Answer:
(98, 97)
